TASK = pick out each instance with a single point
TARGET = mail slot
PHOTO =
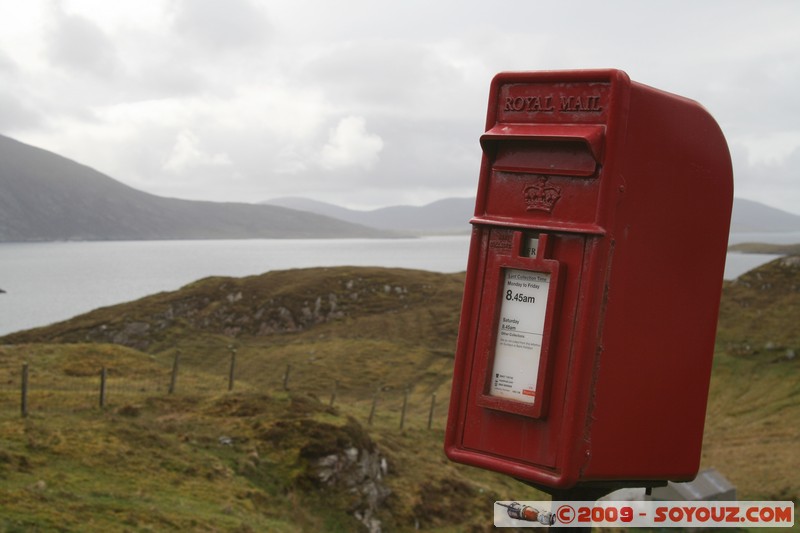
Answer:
(593, 283)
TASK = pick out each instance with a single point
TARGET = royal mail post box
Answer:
(593, 283)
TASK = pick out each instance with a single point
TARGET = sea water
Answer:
(49, 282)
(53, 281)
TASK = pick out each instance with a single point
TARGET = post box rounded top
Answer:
(581, 75)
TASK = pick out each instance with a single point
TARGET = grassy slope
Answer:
(389, 330)
(156, 463)
(753, 422)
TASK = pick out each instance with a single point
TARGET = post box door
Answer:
(525, 322)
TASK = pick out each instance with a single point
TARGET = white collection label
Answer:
(519, 335)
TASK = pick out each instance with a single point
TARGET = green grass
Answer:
(753, 417)
(151, 461)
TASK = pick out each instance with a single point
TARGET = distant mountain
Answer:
(450, 215)
(756, 217)
(46, 197)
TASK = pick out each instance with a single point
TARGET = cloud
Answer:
(773, 148)
(360, 102)
(393, 77)
(15, 111)
(224, 25)
(16, 114)
(186, 155)
(351, 145)
(77, 43)
(7, 65)
(768, 178)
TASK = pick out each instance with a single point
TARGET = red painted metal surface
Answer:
(628, 192)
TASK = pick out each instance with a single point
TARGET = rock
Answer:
(791, 261)
(234, 297)
(359, 471)
(342, 458)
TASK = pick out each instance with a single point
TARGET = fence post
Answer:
(405, 404)
(286, 377)
(335, 390)
(232, 370)
(24, 392)
(372, 410)
(103, 376)
(430, 414)
(174, 376)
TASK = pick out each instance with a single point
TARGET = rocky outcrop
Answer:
(341, 459)
(273, 303)
(361, 472)
(237, 311)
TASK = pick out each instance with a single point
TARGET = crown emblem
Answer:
(541, 196)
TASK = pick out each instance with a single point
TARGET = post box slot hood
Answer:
(572, 150)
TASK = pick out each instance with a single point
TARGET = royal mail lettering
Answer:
(578, 104)
(547, 104)
(530, 104)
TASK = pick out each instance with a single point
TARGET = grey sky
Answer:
(367, 103)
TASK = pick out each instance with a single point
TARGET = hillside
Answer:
(361, 332)
(765, 248)
(753, 419)
(450, 215)
(46, 197)
(272, 454)
(750, 216)
(759, 310)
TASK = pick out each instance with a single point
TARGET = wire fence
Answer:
(38, 390)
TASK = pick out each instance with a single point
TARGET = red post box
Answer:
(593, 283)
